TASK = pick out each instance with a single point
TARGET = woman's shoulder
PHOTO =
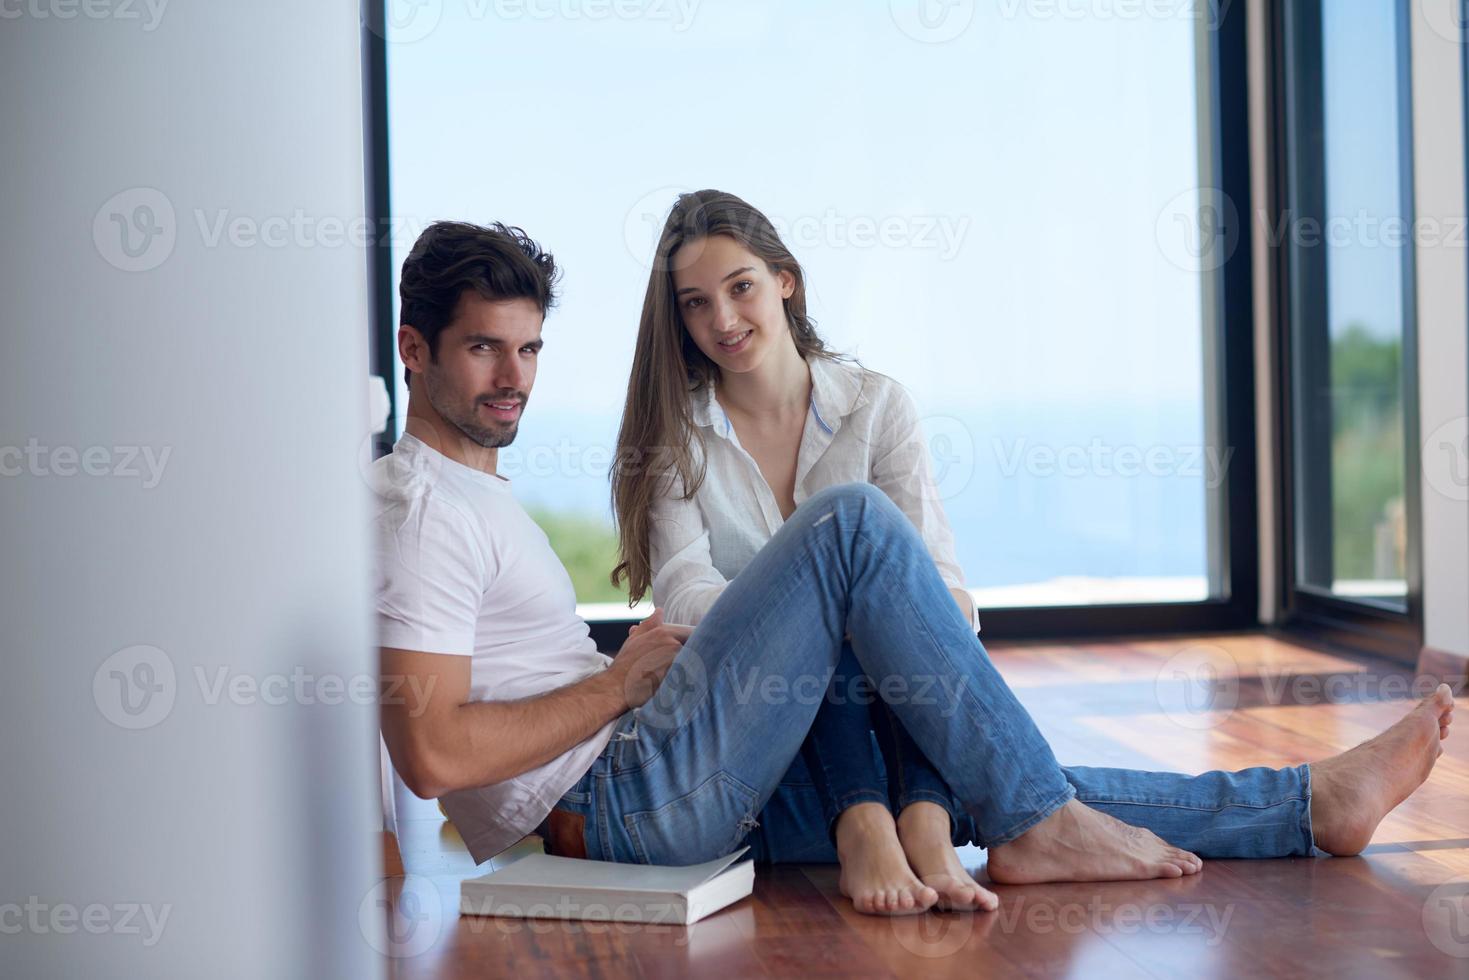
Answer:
(855, 388)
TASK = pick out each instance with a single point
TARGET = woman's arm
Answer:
(685, 581)
(901, 469)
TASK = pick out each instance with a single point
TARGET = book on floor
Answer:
(541, 886)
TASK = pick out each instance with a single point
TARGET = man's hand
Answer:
(645, 658)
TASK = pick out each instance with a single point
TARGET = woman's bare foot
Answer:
(1352, 792)
(925, 832)
(1077, 843)
(875, 874)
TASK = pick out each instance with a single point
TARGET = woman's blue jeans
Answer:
(859, 752)
(713, 760)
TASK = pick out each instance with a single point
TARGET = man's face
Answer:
(482, 375)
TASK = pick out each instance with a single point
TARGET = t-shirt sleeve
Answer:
(431, 577)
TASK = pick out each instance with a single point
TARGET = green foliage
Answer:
(1367, 449)
(587, 546)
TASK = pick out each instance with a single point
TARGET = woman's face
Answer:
(731, 303)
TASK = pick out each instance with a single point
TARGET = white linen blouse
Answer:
(863, 428)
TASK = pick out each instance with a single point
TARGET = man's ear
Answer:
(413, 348)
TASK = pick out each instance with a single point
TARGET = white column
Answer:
(182, 522)
(1443, 319)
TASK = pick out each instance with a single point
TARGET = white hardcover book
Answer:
(541, 886)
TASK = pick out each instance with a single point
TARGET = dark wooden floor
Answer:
(1401, 910)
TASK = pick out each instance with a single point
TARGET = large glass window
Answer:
(1351, 233)
(996, 204)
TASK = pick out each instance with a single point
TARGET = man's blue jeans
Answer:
(712, 762)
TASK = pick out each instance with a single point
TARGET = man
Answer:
(523, 724)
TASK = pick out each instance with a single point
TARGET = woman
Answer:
(750, 414)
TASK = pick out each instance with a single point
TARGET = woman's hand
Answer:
(645, 658)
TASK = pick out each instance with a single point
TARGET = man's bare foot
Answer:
(925, 832)
(875, 874)
(1352, 792)
(1077, 843)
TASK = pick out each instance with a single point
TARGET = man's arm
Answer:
(440, 741)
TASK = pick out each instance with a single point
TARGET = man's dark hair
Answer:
(498, 262)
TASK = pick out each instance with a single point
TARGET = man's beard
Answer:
(486, 436)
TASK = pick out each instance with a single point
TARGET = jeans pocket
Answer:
(702, 825)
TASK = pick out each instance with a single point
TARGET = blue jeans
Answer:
(711, 762)
(859, 752)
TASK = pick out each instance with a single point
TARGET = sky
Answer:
(1033, 176)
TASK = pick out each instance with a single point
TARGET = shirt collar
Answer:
(836, 392)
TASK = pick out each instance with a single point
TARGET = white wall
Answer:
(1443, 320)
(250, 825)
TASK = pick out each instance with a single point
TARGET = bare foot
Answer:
(1352, 792)
(924, 831)
(1077, 843)
(875, 874)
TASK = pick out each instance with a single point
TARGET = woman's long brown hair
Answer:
(655, 443)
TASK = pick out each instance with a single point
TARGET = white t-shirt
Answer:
(863, 427)
(462, 569)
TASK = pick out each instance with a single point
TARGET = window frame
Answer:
(1360, 623)
(1231, 510)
